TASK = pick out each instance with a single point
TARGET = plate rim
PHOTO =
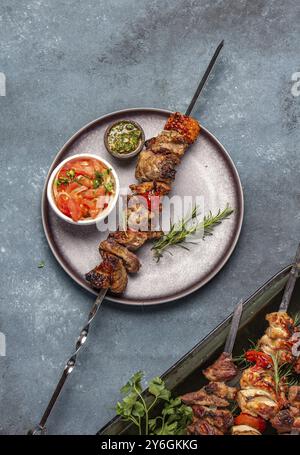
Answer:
(176, 295)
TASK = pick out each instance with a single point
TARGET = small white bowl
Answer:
(101, 215)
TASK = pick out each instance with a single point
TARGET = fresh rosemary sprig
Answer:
(297, 319)
(180, 231)
(283, 374)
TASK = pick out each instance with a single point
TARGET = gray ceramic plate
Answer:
(206, 170)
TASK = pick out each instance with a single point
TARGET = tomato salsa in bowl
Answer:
(83, 189)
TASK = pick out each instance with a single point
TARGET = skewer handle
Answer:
(69, 367)
(204, 78)
(289, 288)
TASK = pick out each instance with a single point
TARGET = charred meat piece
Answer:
(220, 418)
(131, 261)
(160, 188)
(244, 430)
(168, 142)
(294, 396)
(119, 276)
(223, 369)
(133, 240)
(221, 390)
(283, 421)
(154, 166)
(202, 398)
(100, 276)
(297, 366)
(204, 428)
(188, 127)
(111, 274)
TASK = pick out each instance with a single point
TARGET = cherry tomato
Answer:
(259, 358)
(255, 422)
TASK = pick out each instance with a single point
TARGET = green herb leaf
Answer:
(108, 187)
(62, 181)
(41, 264)
(158, 389)
(181, 231)
(71, 174)
(174, 417)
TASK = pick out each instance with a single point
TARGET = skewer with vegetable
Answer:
(265, 394)
(210, 404)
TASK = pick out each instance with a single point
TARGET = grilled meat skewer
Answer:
(211, 415)
(155, 171)
(288, 419)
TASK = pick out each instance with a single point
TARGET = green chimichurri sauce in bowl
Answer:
(124, 139)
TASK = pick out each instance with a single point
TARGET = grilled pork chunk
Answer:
(259, 394)
(133, 240)
(187, 126)
(212, 394)
(220, 418)
(204, 428)
(223, 369)
(154, 166)
(111, 273)
(208, 418)
(154, 187)
(168, 142)
(131, 261)
(277, 336)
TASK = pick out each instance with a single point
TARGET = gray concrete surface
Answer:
(68, 62)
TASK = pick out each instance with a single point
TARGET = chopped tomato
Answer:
(91, 194)
(80, 188)
(72, 186)
(259, 358)
(62, 204)
(74, 208)
(255, 422)
(86, 181)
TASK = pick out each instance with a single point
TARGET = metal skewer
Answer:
(289, 288)
(41, 427)
(235, 322)
(204, 78)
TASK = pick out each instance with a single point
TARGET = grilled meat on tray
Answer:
(155, 170)
(208, 418)
(277, 338)
(223, 369)
(288, 419)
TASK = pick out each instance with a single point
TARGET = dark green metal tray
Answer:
(185, 375)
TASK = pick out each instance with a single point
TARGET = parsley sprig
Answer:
(174, 418)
